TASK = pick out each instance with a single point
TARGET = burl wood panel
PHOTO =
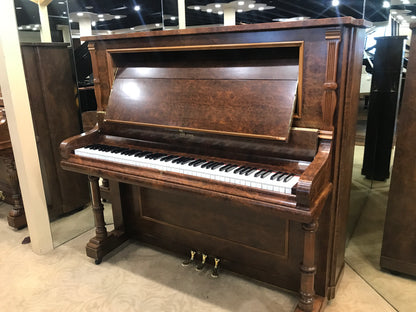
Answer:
(398, 251)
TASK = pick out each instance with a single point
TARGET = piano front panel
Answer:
(238, 234)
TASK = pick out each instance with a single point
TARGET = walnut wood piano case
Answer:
(278, 96)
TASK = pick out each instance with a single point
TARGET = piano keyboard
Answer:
(276, 181)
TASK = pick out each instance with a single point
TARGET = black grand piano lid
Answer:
(222, 94)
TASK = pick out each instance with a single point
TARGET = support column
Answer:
(85, 27)
(181, 14)
(308, 268)
(45, 31)
(229, 16)
(98, 209)
(19, 120)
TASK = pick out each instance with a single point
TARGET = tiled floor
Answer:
(140, 278)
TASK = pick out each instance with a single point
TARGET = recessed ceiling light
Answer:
(386, 4)
(197, 8)
(137, 8)
(209, 10)
(131, 28)
(413, 17)
(217, 5)
(117, 17)
(173, 18)
(220, 12)
(27, 27)
(80, 14)
(261, 8)
(100, 15)
(240, 2)
(93, 23)
(20, 27)
(19, 8)
(61, 2)
(406, 1)
(101, 20)
(239, 10)
(335, 2)
(70, 20)
(89, 7)
(251, 5)
(157, 25)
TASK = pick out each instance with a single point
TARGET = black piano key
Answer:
(225, 167)
(266, 174)
(158, 156)
(206, 164)
(289, 177)
(142, 154)
(244, 170)
(168, 158)
(184, 162)
(218, 164)
(239, 169)
(193, 162)
(199, 163)
(273, 177)
(280, 177)
(250, 171)
(259, 173)
(230, 168)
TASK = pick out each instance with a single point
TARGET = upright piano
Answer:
(230, 142)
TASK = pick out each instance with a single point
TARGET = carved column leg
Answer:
(98, 209)
(16, 217)
(103, 242)
(308, 268)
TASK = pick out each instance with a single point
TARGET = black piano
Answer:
(231, 145)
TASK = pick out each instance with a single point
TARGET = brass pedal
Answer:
(215, 269)
(190, 260)
(202, 264)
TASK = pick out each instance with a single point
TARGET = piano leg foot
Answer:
(98, 261)
(103, 242)
(308, 269)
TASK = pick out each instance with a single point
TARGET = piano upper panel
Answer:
(242, 90)
(316, 66)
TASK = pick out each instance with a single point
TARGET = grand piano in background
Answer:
(277, 101)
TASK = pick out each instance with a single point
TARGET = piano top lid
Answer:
(324, 22)
(256, 100)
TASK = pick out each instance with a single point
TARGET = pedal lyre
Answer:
(202, 264)
(190, 260)
(215, 269)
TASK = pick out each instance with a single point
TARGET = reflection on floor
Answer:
(140, 278)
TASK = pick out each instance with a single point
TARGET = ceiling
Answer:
(151, 11)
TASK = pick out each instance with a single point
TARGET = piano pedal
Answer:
(190, 260)
(214, 273)
(202, 264)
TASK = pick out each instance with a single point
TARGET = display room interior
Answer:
(210, 155)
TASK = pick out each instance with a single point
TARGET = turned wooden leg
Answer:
(308, 268)
(16, 217)
(98, 209)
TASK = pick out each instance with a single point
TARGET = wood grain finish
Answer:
(398, 251)
(55, 116)
(255, 232)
